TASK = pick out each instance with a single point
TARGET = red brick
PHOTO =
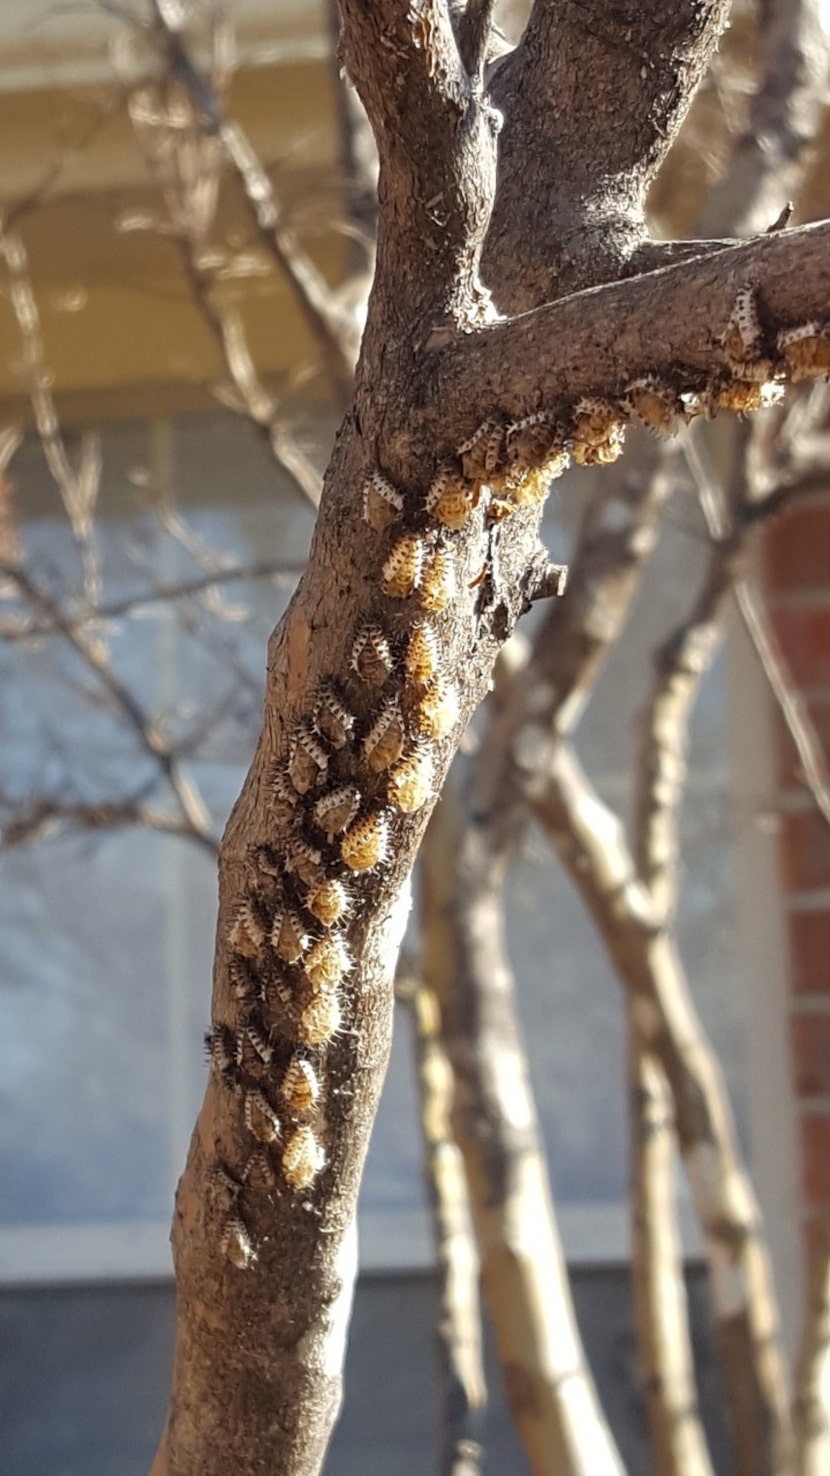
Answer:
(804, 638)
(809, 937)
(789, 764)
(815, 1150)
(811, 1054)
(797, 548)
(804, 844)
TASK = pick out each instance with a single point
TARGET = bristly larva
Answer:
(289, 939)
(332, 720)
(422, 657)
(320, 1020)
(236, 1244)
(806, 350)
(599, 431)
(372, 656)
(436, 713)
(438, 582)
(305, 862)
(742, 396)
(247, 934)
(335, 811)
(302, 1158)
(451, 500)
(410, 781)
(743, 331)
(402, 569)
(328, 902)
(300, 1088)
(654, 403)
(258, 1172)
(283, 794)
(259, 1039)
(366, 843)
(384, 741)
(224, 1050)
(481, 453)
(260, 1118)
(326, 962)
(307, 760)
(244, 982)
(530, 442)
(382, 503)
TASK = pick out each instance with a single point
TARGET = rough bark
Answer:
(263, 1237)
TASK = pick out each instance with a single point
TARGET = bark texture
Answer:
(263, 1232)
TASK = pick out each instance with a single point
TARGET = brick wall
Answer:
(797, 575)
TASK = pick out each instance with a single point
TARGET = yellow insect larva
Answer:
(305, 861)
(384, 741)
(307, 760)
(335, 811)
(531, 440)
(288, 937)
(422, 657)
(332, 719)
(451, 500)
(366, 842)
(258, 1172)
(247, 934)
(236, 1244)
(653, 402)
(382, 503)
(410, 782)
(326, 962)
(260, 1118)
(595, 420)
(372, 656)
(328, 902)
(532, 488)
(300, 1088)
(806, 350)
(437, 710)
(438, 581)
(600, 453)
(402, 569)
(320, 1020)
(302, 1158)
(742, 396)
(481, 453)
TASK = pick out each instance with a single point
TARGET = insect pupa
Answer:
(259, 1039)
(300, 1088)
(385, 739)
(320, 1020)
(326, 962)
(382, 503)
(302, 1158)
(224, 1051)
(305, 862)
(402, 569)
(335, 811)
(332, 719)
(371, 656)
(436, 712)
(450, 500)
(481, 453)
(244, 982)
(260, 1118)
(806, 350)
(411, 781)
(422, 658)
(438, 581)
(288, 936)
(236, 1244)
(654, 403)
(366, 842)
(283, 794)
(307, 760)
(328, 902)
(258, 1172)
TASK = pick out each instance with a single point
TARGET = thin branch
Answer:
(49, 819)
